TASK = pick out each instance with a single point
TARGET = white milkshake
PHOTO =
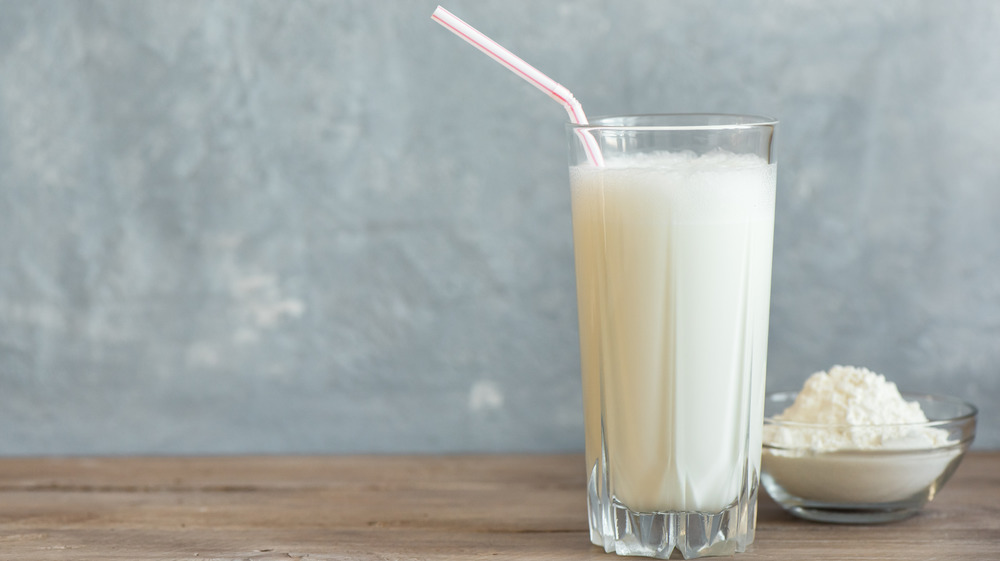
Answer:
(673, 256)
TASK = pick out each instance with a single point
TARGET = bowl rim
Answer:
(790, 396)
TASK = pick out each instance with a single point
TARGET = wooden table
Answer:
(412, 507)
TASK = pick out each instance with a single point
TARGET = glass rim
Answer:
(673, 122)
(971, 411)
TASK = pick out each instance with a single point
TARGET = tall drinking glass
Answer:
(673, 237)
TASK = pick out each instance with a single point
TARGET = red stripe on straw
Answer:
(516, 70)
(517, 65)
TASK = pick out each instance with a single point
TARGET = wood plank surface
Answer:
(405, 508)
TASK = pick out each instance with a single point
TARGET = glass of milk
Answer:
(673, 237)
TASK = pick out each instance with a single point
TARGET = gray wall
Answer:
(334, 227)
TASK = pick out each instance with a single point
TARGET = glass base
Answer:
(693, 534)
(597, 514)
(658, 534)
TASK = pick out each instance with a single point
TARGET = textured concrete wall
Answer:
(332, 226)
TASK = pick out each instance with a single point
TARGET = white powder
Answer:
(849, 401)
(849, 460)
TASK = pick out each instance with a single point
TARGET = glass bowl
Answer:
(863, 474)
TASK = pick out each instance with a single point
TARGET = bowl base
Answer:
(852, 516)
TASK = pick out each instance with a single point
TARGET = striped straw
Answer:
(514, 63)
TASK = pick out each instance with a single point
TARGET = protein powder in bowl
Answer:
(849, 447)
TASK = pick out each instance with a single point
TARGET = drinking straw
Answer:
(516, 65)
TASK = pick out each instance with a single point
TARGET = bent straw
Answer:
(516, 65)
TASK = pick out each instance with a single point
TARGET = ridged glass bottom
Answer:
(658, 534)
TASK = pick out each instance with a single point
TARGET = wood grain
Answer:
(404, 508)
